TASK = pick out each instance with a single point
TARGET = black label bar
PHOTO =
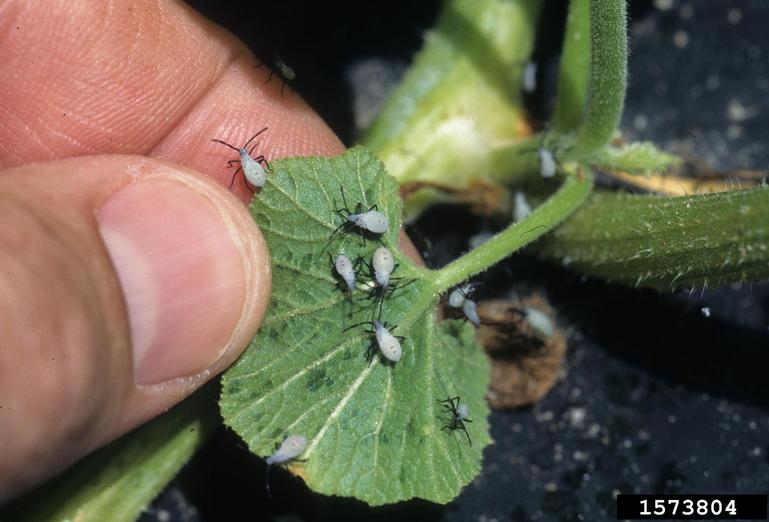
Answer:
(692, 507)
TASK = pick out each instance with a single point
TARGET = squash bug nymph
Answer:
(459, 294)
(539, 321)
(253, 171)
(372, 221)
(291, 447)
(388, 344)
(530, 77)
(522, 208)
(459, 298)
(459, 413)
(547, 165)
(383, 263)
(470, 310)
(286, 72)
(344, 267)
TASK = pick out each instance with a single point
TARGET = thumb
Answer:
(125, 284)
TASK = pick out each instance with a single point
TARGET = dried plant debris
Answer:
(525, 362)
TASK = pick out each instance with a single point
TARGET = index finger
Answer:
(142, 77)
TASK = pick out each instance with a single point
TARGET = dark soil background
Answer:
(660, 393)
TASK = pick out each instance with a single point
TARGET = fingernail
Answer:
(181, 274)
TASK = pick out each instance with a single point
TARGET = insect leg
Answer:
(232, 181)
(344, 199)
(462, 426)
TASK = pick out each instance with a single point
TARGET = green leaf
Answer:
(118, 482)
(667, 243)
(373, 428)
(461, 99)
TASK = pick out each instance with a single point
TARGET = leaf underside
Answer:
(373, 428)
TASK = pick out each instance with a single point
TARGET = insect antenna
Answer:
(356, 325)
(254, 136)
(222, 142)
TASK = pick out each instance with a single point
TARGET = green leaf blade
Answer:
(373, 428)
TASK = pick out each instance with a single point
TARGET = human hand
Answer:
(129, 276)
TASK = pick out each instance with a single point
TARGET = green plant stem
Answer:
(544, 218)
(667, 243)
(608, 75)
(574, 71)
(118, 482)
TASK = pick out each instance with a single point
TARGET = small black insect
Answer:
(459, 415)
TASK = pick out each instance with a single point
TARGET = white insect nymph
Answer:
(547, 166)
(522, 207)
(373, 221)
(471, 312)
(480, 238)
(290, 448)
(287, 72)
(539, 321)
(459, 294)
(388, 344)
(384, 263)
(456, 298)
(345, 269)
(253, 171)
(530, 77)
(462, 412)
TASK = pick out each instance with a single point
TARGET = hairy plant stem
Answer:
(608, 75)
(574, 72)
(544, 218)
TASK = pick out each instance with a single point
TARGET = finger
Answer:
(142, 77)
(125, 284)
